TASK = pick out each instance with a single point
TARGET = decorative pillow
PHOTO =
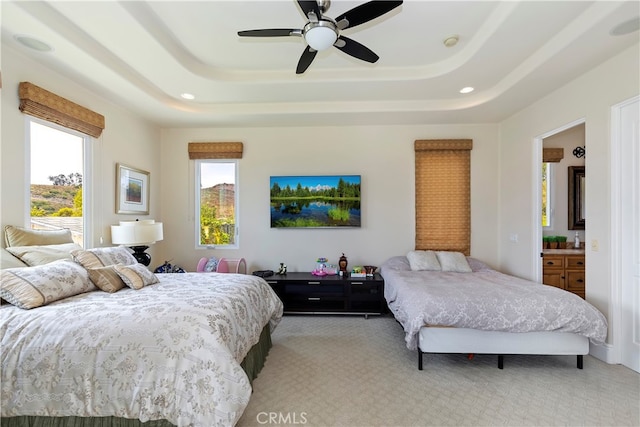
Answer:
(7, 260)
(101, 257)
(477, 265)
(423, 260)
(453, 261)
(30, 287)
(18, 236)
(39, 255)
(136, 276)
(106, 278)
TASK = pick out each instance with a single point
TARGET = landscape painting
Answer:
(315, 201)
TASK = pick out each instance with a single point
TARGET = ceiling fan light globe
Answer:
(320, 37)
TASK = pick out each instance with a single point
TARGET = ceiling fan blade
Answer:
(310, 6)
(365, 13)
(270, 32)
(355, 49)
(306, 59)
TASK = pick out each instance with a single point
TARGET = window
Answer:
(216, 203)
(547, 206)
(58, 184)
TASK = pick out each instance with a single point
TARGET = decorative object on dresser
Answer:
(138, 235)
(309, 294)
(342, 263)
(565, 269)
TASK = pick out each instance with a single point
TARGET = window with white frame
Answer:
(59, 160)
(216, 203)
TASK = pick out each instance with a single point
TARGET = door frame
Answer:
(616, 229)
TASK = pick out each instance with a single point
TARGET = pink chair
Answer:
(232, 265)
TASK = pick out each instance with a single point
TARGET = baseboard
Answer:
(603, 352)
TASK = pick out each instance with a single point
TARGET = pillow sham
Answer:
(31, 287)
(39, 255)
(19, 236)
(136, 276)
(8, 260)
(101, 257)
(423, 261)
(106, 278)
(453, 261)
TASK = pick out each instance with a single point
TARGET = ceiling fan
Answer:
(322, 32)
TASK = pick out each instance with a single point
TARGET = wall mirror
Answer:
(576, 197)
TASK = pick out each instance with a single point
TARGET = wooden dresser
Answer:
(565, 269)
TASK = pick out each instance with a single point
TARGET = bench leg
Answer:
(419, 359)
(500, 361)
(579, 361)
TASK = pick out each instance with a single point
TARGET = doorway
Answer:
(552, 203)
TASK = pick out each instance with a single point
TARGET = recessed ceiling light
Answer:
(188, 96)
(33, 43)
(626, 27)
(451, 41)
(467, 89)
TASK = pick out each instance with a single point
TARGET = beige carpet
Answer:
(351, 371)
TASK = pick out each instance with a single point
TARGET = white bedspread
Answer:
(484, 299)
(168, 351)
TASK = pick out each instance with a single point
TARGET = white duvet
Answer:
(484, 299)
(168, 351)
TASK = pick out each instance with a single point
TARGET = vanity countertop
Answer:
(569, 251)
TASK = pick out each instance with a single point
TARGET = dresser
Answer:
(564, 269)
(306, 293)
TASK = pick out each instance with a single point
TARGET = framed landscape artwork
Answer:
(321, 201)
(132, 190)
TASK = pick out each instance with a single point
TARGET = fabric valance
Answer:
(48, 106)
(215, 150)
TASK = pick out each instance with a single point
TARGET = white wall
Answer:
(126, 139)
(590, 97)
(382, 155)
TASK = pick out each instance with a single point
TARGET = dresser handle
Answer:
(313, 283)
(313, 299)
(549, 262)
(579, 280)
(580, 263)
(356, 283)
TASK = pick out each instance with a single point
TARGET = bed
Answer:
(167, 349)
(449, 303)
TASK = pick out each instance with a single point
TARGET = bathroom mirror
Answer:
(576, 197)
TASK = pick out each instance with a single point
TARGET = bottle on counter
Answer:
(576, 241)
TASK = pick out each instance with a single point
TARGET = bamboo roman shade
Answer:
(552, 155)
(215, 150)
(48, 106)
(443, 194)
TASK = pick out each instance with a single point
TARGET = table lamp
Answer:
(138, 235)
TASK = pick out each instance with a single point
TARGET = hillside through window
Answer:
(57, 179)
(216, 203)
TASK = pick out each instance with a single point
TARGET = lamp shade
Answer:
(133, 233)
(320, 35)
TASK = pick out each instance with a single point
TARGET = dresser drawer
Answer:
(553, 262)
(575, 262)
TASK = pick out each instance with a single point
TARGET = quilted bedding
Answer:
(484, 299)
(167, 351)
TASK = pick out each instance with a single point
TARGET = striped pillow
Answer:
(136, 276)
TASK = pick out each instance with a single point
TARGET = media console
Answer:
(304, 293)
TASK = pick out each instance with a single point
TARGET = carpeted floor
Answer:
(351, 371)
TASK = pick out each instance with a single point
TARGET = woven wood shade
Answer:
(552, 155)
(443, 195)
(215, 150)
(48, 106)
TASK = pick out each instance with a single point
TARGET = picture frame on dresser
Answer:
(132, 190)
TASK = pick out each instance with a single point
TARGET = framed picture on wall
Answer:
(132, 190)
(320, 201)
